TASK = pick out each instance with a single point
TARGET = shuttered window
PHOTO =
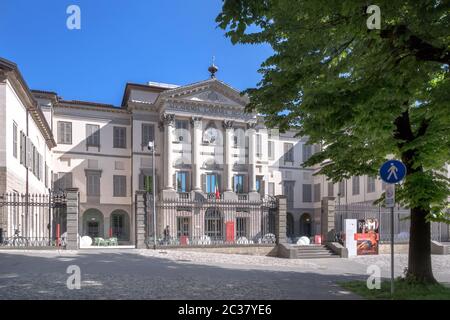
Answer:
(93, 183)
(92, 135)
(307, 152)
(370, 184)
(317, 192)
(355, 185)
(64, 132)
(330, 189)
(120, 186)
(307, 193)
(288, 152)
(120, 137)
(148, 134)
(15, 140)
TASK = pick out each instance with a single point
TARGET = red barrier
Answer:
(58, 234)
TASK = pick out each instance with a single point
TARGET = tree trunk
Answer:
(419, 261)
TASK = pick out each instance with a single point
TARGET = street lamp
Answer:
(151, 148)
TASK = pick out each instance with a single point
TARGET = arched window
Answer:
(120, 225)
(214, 224)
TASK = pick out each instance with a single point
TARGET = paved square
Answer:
(171, 274)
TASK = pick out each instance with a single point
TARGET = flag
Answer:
(217, 190)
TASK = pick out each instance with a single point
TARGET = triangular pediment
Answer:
(207, 92)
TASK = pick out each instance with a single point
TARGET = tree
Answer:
(364, 94)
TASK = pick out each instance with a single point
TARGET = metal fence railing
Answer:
(364, 210)
(32, 220)
(211, 222)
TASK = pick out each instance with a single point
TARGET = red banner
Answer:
(229, 225)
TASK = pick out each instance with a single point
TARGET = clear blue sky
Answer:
(121, 41)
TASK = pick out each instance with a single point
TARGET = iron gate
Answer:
(32, 220)
(211, 221)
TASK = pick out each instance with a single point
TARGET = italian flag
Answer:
(217, 190)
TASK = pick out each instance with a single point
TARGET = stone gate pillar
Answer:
(327, 219)
(140, 220)
(280, 219)
(73, 211)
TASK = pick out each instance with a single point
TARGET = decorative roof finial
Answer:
(213, 68)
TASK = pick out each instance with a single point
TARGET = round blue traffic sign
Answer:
(392, 171)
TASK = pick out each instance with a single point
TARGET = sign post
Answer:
(392, 172)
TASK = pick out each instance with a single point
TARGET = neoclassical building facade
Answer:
(206, 146)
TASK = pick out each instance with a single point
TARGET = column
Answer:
(168, 122)
(72, 218)
(252, 156)
(228, 162)
(195, 147)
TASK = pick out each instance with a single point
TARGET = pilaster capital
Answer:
(251, 125)
(228, 124)
(196, 122)
(168, 119)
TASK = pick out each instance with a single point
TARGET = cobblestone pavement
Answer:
(172, 274)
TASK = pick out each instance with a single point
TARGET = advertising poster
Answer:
(367, 237)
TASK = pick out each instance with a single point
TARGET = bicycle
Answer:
(17, 240)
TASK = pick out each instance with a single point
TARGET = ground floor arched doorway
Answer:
(305, 225)
(120, 225)
(93, 225)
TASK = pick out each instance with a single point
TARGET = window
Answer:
(148, 134)
(182, 181)
(120, 186)
(15, 140)
(63, 181)
(92, 135)
(330, 189)
(370, 184)
(93, 183)
(307, 193)
(183, 224)
(23, 142)
(182, 131)
(238, 184)
(307, 152)
(355, 185)
(146, 181)
(241, 227)
(259, 183)
(317, 192)
(270, 149)
(341, 189)
(211, 181)
(288, 191)
(120, 137)
(258, 145)
(64, 132)
(271, 189)
(288, 152)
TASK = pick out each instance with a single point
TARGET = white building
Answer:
(205, 142)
